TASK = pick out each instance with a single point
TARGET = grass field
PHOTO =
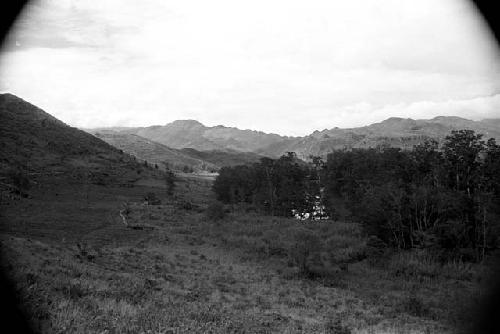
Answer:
(79, 269)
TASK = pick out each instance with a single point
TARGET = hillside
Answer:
(224, 158)
(154, 152)
(36, 143)
(177, 159)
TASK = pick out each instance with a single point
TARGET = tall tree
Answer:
(461, 151)
(170, 182)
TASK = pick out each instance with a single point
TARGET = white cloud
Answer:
(281, 66)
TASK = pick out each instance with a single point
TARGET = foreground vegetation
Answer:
(339, 255)
(189, 265)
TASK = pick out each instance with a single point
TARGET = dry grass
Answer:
(160, 287)
(187, 274)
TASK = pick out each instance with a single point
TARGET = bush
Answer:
(274, 245)
(215, 211)
(186, 205)
(152, 199)
(334, 326)
(19, 179)
(422, 265)
(414, 305)
(417, 265)
(305, 249)
(375, 249)
(251, 209)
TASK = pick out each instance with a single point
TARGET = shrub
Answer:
(170, 182)
(305, 249)
(152, 199)
(274, 245)
(415, 305)
(341, 250)
(186, 205)
(415, 265)
(215, 211)
(424, 265)
(20, 180)
(334, 326)
(375, 249)
(251, 209)
(85, 252)
(75, 291)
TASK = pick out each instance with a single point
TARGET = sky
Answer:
(288, 67)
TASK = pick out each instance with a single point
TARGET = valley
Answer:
(185, 262)
(249, 167)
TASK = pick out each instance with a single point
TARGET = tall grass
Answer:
(315, 247)
(423, 264)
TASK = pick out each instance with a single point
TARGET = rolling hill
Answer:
(154, 152)
(176, 159)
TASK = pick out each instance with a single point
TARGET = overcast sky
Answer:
(288, 67)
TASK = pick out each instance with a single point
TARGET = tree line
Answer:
(273, 186)
(444, 197)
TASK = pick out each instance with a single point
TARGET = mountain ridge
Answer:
(227, 145)
(393, 131)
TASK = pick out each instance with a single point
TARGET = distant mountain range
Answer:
(186, 159)
(394, 132)
(28, 135)
(192, 134)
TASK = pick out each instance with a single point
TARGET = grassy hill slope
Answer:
(154, 152)
(224, 158)
(37, 144)
(177, 159)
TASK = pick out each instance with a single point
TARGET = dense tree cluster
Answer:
(275, 187)
(445, 197)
